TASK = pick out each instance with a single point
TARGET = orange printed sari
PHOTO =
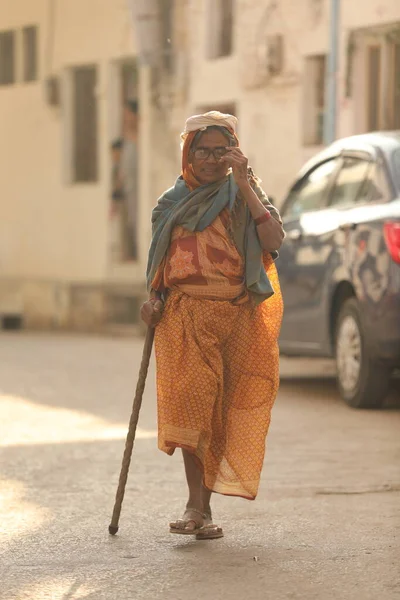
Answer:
(217, 358)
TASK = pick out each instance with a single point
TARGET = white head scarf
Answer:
(214, 117)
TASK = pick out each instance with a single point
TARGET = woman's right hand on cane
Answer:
(151, 312)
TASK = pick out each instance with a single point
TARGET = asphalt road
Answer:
(326, 524)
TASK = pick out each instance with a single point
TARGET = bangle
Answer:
(263, 219)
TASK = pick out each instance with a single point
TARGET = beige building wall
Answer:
(55, 233)
(269, 111)
(360, 17)
(50, 227)
(273, 112)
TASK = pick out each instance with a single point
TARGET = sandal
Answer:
(210, 531)
(180, 526)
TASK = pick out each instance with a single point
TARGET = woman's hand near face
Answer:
(239, 163)
(270, 232)
(151, 311)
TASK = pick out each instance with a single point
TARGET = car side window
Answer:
(310, 193)
(352, 185)
(396, 167)
(378, 189)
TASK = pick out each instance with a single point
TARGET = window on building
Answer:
(7, 57)
(220, 26)
(30, 53)
(314, 100)
(382, 95)
(374, 85)
(229, 109)
(226, 27)
(85, 151)
(129, 81)
(166, 24)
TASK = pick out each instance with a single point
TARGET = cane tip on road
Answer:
(112, 529)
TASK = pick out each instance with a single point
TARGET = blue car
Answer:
(339, 265)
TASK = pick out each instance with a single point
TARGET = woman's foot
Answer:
(197, 519)
(192, 522)
(209, 531)
(207, 515)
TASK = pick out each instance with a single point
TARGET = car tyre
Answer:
(362, 380)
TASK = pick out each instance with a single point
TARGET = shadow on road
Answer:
(58, 492)
(324, 388)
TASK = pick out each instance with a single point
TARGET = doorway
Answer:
(124, 148)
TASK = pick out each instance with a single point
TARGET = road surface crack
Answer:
(395, 487)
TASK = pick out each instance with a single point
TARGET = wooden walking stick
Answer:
(130, 438)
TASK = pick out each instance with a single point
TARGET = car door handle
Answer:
(348, 226)
(294, 235)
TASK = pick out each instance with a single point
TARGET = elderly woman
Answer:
(216, 303)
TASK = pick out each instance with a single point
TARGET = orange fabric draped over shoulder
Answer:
(187, 171)
(203, 264)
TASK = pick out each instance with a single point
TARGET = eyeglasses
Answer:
(204, 153)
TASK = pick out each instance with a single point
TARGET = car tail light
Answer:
(392, 239)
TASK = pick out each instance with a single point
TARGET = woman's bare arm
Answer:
(270, 232)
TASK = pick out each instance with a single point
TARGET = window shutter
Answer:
(30, 53)
(7, 57)
(374, 87)
(85, 124)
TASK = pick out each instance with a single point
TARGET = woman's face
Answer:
(209, 169)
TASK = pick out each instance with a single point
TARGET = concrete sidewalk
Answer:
(325, 525)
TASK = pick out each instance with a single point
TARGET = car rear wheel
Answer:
(362, 380)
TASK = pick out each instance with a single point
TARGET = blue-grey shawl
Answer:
(195, 211)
